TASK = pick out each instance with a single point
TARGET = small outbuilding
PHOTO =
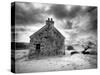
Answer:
(47, 41)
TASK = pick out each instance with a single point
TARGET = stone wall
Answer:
(51, 43)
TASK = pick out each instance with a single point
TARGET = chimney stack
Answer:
(49, 21)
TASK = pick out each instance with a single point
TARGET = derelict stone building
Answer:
(47, 41)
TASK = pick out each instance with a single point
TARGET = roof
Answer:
(46, 27)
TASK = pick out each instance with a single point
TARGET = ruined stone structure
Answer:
(47, 41)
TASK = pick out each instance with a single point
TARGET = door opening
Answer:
(38, 48)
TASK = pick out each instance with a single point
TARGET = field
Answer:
(76, 61)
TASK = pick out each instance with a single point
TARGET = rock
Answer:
(75, 52)
(84, 52)
(70, 47)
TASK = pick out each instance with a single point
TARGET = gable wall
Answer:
(51, 43)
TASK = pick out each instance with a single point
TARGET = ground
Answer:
(54, 63)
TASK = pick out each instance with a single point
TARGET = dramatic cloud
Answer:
(72, 21)
(61, 12)
(68, 25)
(93, 15)
(26, 13)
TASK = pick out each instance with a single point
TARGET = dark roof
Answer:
(49, 23)
(43, 29)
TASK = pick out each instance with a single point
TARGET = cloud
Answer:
(61, 12)
(93, 14)
(92, 11)
(58, 11)
(26, 13)
(68, 25)
(71, 20)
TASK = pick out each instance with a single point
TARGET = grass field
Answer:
(54, 63)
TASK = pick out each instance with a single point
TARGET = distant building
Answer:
(47, 41)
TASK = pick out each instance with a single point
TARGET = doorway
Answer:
(38, 48)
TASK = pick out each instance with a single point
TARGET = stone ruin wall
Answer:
(51, 43)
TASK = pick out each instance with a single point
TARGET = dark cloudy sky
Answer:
(73, 21)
